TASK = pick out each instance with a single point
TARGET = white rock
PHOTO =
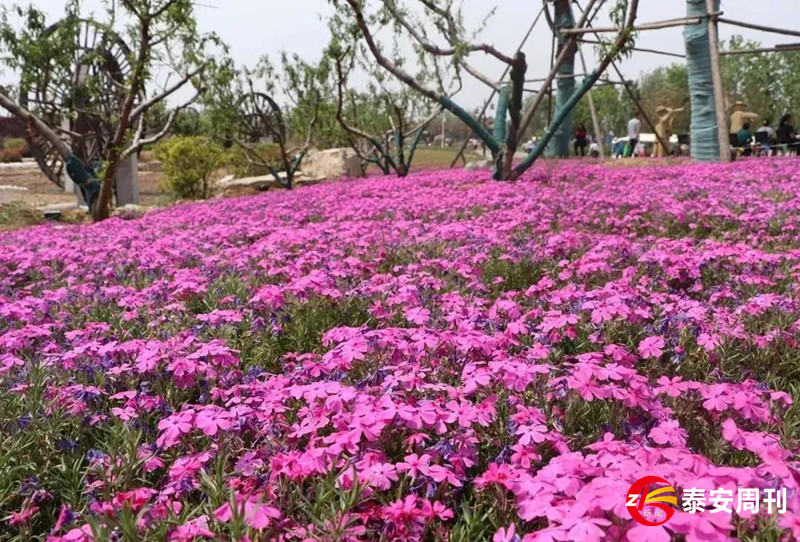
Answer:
(332, 164)
(480, 164)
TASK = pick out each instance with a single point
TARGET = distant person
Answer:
(594, 149)
(739, 116)
(634, 125)
(619, 148)
(580, 140)
(786, 134)
(744, 139)
(771, 137)
(608, 140)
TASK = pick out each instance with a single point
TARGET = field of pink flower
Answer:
(440, 358)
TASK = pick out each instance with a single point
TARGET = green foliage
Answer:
(769, 83)
(267, 153)
(15, 143)
(189, 166)
(22, 44)
(667, 86)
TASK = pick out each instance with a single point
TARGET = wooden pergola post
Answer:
(719, 91)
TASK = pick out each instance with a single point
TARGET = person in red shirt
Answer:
(580, 140)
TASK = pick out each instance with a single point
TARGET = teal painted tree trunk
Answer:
(704, 138)
(565, 84)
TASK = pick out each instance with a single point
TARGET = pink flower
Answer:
(417, 315)
(651, 347)
(192, 529)
(211, 419)
(82, 534)
(643, 533)
(18, 518)
(443, 474)
(414, 465)
(256, 514)
(506, 535)
(669, 432)
(436, 510)
(709, 342)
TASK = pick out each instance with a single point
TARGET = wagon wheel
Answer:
(259, 118)
(83, 96)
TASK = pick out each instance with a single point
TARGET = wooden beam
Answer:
(762, 28)
(639, 49)
(564, 76)
(777, 49)
(719, 92)
(669, 23)
(598, 134)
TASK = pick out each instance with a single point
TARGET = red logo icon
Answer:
(647, 505)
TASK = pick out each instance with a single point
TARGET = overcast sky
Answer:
(257, 27)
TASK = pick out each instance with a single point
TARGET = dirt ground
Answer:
(38, 191)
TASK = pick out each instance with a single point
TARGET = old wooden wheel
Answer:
(81, 97)
(260, 119)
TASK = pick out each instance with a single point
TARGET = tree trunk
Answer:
(518, 71)
(565, 84)
(704, 132)
(102, 207)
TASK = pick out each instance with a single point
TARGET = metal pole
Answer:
(716, 77)
(550, 98)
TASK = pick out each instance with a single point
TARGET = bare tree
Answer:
(248, 102)
(393, 147)
(453, 44)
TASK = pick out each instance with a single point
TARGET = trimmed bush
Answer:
(189, 165)
(15, 143)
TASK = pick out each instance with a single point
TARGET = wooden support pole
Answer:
(642, 112)
(719, 92)
(598, 134)
(752, 26)
(646, 26)
(552, 61)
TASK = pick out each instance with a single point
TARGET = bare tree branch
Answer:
(453, 34)
(41, 128)
(406, 78)
(341, 78)
(139, 143)
(144, 106)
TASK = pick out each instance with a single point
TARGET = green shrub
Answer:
(189, 165)
(15, 143)
(242, 167)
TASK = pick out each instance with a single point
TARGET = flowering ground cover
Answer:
(436, 358)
